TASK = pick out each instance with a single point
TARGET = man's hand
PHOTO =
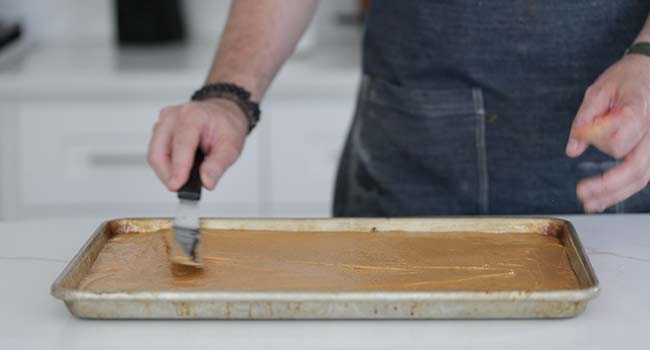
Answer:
(615, 118)
(217, 126)
(259, 37)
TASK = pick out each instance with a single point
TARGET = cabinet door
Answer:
(307, 137)
(90, 159)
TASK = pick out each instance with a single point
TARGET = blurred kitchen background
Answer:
(82, 82)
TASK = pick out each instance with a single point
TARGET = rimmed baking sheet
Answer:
(332, 304)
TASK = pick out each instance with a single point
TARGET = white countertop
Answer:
(33, 253)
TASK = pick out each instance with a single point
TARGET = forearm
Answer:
(644, 35)
(258, 38)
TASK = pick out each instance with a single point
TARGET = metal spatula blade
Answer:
(186, 223)
(186, 227)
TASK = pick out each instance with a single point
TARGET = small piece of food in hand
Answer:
(595, 131)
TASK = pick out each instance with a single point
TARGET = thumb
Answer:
(595, 103)
(215, 164)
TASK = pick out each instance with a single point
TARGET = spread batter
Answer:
(336, 261)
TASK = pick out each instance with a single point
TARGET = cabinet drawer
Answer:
(95, 153)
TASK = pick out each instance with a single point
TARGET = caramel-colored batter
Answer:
(336, 261)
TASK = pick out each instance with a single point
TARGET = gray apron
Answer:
(465, 106)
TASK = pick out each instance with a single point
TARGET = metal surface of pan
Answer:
(167, 304)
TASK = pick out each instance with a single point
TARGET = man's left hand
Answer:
(615, 118)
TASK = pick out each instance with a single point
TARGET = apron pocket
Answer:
(419, 151)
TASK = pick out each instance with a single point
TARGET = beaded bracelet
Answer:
(234, 93)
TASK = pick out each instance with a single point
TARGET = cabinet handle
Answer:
(116, 160)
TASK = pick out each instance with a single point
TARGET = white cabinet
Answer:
(90, 158)
(75, 126)
(63, 158)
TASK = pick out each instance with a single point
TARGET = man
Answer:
(465, 106)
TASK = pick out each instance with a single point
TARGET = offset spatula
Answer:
(186, 222)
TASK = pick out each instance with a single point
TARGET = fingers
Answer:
(595, 103)
(595, 131)
(186, 138)
(617, 133)
(621, 182)
(182, 129)
(628, 131)
(219, 158)
(159, 153)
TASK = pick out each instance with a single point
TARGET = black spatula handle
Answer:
(192, 188)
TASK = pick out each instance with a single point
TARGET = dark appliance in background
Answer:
(149, 22)
(9, 33)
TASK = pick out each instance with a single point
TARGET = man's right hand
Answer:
(216, 125)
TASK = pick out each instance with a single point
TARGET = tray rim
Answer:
(570, 295)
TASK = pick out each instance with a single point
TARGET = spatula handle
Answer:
(192, 188)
